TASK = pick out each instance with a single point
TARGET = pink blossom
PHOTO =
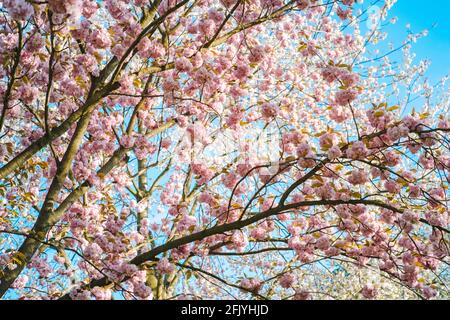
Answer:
(127, 141)
(142, 291)
(392, 187)
(93, 251)
(186, 223)
(258, 233)
(101, 293)
(20, 282)
(301, 295)
(368, 291)
(334, 152)
(183, 64)
(323, 243)
(253, 284)
(164, 266)
(358, 176)
(100, 38)
(357, 150)
(18, 9)
(429, 292)
(287, 280)
(345, 97)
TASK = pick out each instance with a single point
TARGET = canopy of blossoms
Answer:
(264, 149)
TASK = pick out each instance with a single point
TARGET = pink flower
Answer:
(253, 284)
(392, 158)
(411, 122)
(343, 14)
(301, 295)
(268, 110)
(93, 251)
(323, 243)
(28, 93)
(395, 133)
(239, 240)
(368, 291)
(344, 97)
(339, 114)
(426, 161)
(414, 191)
(119, 50)
(387, 216)
(129, 269)
(127, 141)
(88, 62)
(165, 143)
(18, 9)
(204, 173)
(287, 280)
(101, 293)
(183, 64)
(142, 291)
(429, 292)
(303, 149)
(215, 15)
(258, 233)
(20, 282)
(72, 8)
(348, 2)
(349, 79)
(303, 4)
(357, 150)
(207, 27)
(392, 186)
(327, 140)
(242, 71)
(89, 8)
(186, 223)
(164, 266)
(325, 191)
(257, 54)
(144, 46)
(334, 152)
(79, 294)
(100, 38)
(358, 176)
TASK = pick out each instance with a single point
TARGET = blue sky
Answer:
(421, 15)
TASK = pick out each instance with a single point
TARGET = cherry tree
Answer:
(204, 149)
